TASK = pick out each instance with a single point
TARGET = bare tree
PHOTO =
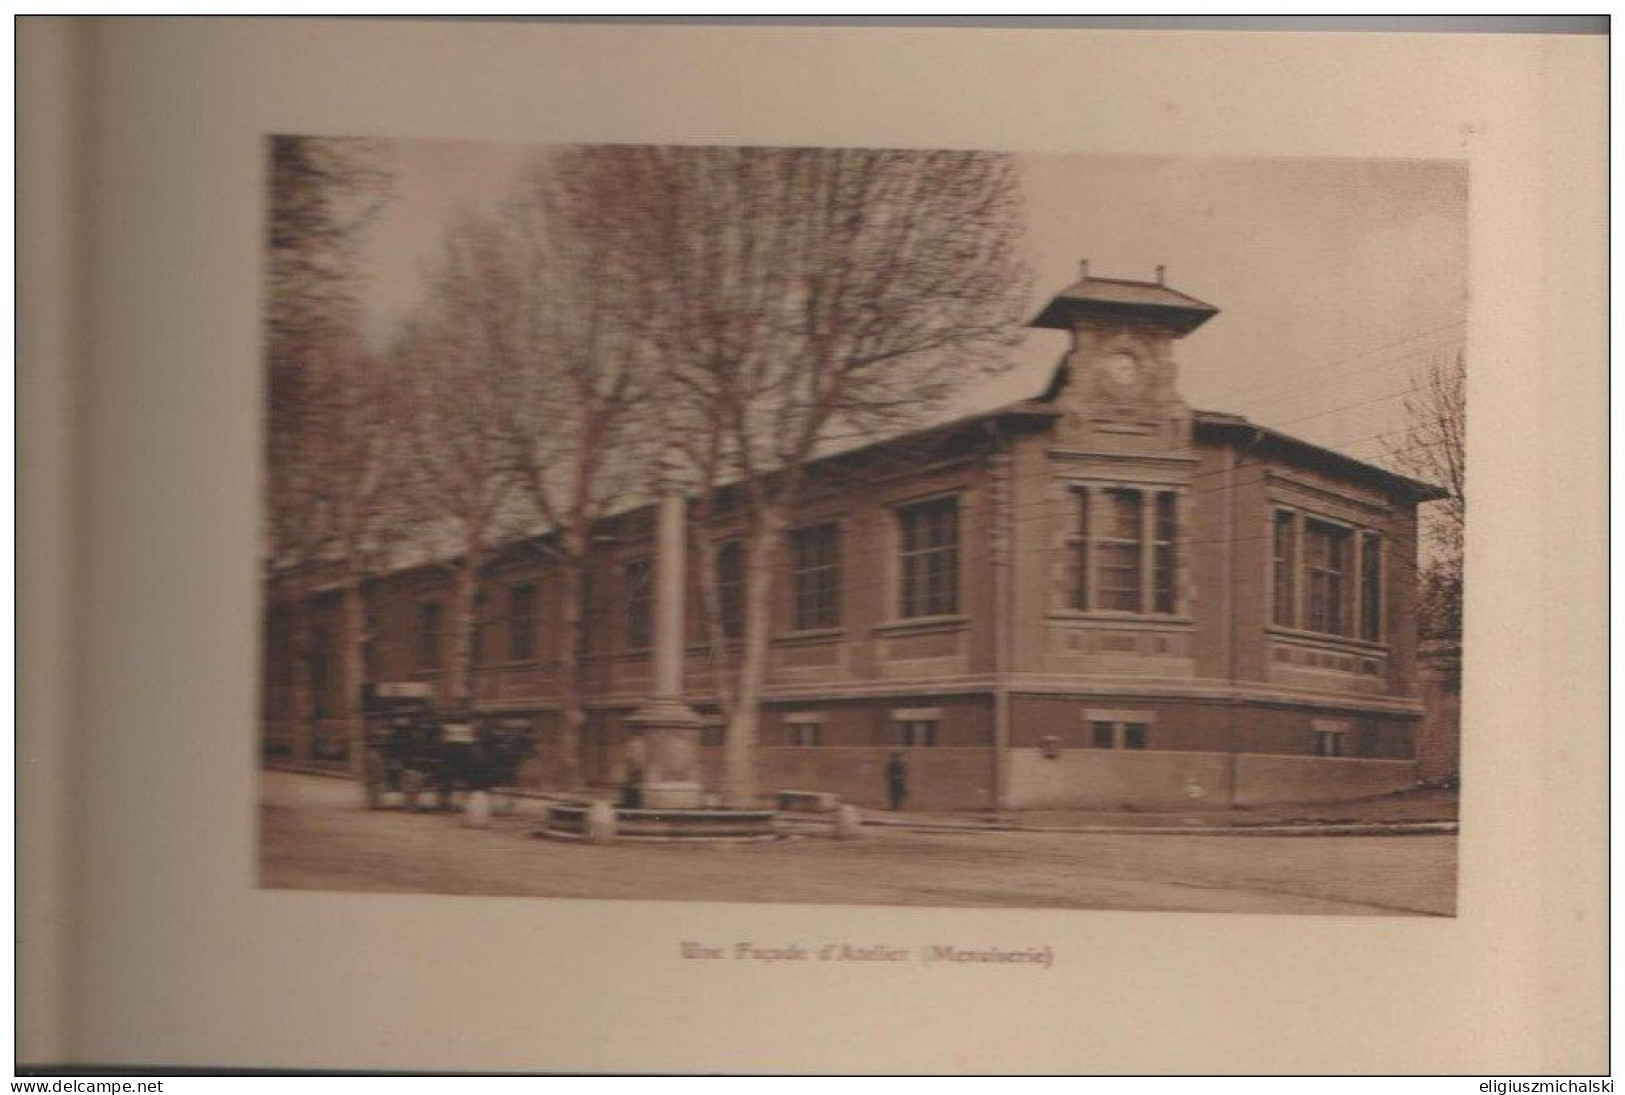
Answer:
(365, 466)
(561, 318)
(327, 474)
(461, 480)
(1433, 448)
(796, 294)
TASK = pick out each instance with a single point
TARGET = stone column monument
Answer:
(668, 729)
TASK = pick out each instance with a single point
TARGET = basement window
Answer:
(916, 728)
(804, 730)
(1330, 737)
(1119, 729)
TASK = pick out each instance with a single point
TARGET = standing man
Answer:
(896, 780)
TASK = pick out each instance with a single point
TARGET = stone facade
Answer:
(1148, 605)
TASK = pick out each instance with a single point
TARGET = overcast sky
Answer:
(1335, 279)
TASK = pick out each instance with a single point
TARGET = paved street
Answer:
(315, 835)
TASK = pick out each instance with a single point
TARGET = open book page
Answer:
(234, 907)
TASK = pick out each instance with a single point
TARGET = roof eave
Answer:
(1416, 490)
(1062, 314)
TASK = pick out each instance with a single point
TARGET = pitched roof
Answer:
(1115, 297)
(1236, 425)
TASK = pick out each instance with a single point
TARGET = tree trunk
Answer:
(352, 670)
(573, 738)
(740, 750)
(459, 680)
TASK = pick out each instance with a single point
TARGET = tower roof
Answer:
(1115, 298)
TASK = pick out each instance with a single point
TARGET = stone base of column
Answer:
(672, 796)
(667, 748)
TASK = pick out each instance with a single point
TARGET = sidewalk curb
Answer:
(1372, 828)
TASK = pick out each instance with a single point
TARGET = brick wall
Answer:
(1172, 780)
(1204, 727)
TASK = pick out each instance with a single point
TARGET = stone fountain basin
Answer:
(569, 821)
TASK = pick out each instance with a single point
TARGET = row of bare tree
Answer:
(731, 310)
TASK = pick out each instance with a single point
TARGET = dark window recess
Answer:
(1134, 735)
(1102, 735)
(1082, 587)
(639, 603)
(1285, 611)
(1163, 554)
(321, 672)
(1371, 587)
(731, 588)
(815, 573)
(522, 623)
(429, 626)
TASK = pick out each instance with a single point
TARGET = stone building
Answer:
(1097, 596)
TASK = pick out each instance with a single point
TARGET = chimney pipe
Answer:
(1162, 272)
(1083, 269)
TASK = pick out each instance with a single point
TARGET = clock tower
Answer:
(1118, 380)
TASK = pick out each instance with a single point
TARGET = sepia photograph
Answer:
(658, 548)
(863, 526)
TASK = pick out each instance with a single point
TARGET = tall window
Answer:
(321, 672)
(1117, 551)
(640, 582)
(1162, 559)
(1286, 568)
(369, 647)
(1326, 561)
(1083, 586)
(1125, 550)
(731, 588)
(1327, 577)
(815, 577)
(428, 635)
(590, 624)
(480, 640)
(929, 559)
(1370, 587)
(522, 622)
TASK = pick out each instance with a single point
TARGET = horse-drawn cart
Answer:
(413, 749)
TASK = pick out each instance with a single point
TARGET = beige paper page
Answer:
(180, 959)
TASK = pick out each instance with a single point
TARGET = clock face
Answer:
(1121, 370)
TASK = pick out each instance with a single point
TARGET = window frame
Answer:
(1124, 730)
(523, 625)
(1156, 548)
(428, 643)
(1327, 583)
(1372, 594)
(731, 588)
(815, 586)
(1361, 592)
(638, 600)
(928, 587)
